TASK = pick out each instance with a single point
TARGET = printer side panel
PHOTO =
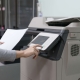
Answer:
(71, 59)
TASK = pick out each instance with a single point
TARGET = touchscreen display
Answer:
(40, 40)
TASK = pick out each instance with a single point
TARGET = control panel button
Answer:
(73, 35)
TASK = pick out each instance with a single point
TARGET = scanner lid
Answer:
(40, 23)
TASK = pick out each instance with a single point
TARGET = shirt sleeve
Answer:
(7, 55)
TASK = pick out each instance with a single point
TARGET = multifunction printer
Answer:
(59, 57)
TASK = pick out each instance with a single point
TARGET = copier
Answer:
(59, 61)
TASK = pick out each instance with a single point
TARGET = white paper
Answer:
(59, 19)
(62, 19)
(11, 37)
(49, 19)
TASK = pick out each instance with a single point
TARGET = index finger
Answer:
(37, 45)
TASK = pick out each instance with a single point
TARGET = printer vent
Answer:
(75, 50)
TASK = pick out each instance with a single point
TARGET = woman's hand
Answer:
(1, 43)
(32, 50)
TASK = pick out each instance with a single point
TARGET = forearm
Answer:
(10, 55)
(7, 55)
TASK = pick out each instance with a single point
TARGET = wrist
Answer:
(19, 54)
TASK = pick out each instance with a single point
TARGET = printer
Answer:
(60, 60)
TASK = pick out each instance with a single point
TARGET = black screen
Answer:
(40, 40)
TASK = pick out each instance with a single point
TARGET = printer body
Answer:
(61, 60)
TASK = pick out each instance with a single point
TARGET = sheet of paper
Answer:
(61, 19)
(11, 37)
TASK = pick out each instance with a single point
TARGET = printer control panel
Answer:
(44, 39)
